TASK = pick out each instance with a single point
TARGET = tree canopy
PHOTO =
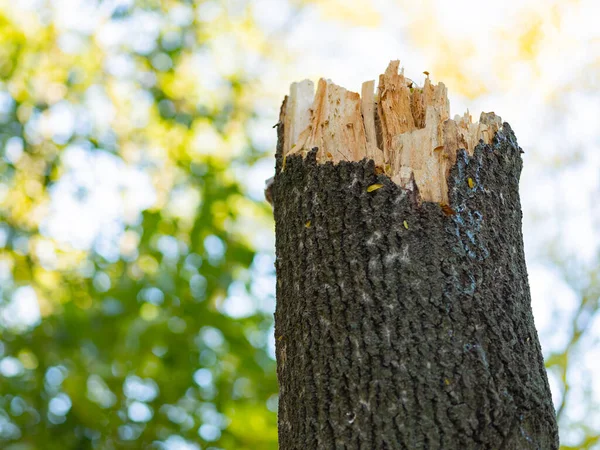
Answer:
(125, 215)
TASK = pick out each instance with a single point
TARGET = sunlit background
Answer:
(136, 251)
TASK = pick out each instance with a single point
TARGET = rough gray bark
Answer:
(399, 325)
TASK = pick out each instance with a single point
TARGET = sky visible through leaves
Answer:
(136, 251)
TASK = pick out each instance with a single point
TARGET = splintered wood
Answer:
(405, 129)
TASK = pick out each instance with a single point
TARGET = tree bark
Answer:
(403, 324)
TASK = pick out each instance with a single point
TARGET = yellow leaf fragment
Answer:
(374, 187)
(471, 183)
(307, 224)
(406, 224)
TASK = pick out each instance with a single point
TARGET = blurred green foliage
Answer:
(132, 348)
(129, 130)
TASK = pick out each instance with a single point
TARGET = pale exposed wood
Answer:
(297, 111)
(394, 107)
(336, 126)
(418, 141)
(368, 112)
(420, 149)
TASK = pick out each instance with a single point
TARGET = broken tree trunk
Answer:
(403, 315)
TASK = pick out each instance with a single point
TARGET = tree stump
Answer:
(403, 316)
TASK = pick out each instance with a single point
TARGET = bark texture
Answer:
(405, 325)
